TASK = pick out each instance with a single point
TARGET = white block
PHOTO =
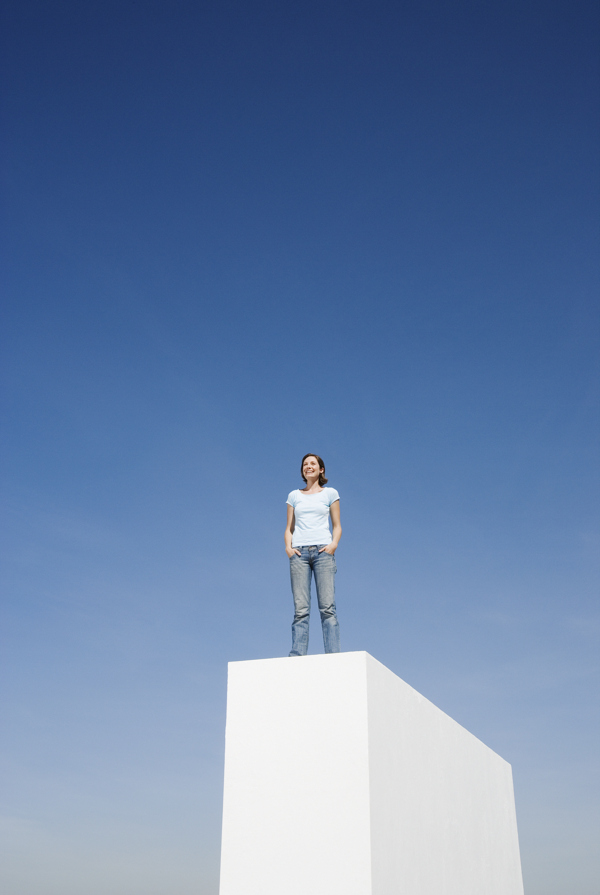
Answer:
(340, 779)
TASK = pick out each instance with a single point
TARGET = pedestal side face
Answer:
(296, 797)
(442, 807)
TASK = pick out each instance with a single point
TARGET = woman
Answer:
(311, 548)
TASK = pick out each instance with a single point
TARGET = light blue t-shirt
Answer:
(311, 514)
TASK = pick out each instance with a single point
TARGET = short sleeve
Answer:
(291, 499)
(333, 496)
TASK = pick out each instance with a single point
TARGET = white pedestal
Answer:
(340, 779)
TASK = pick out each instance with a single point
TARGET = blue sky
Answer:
(237, 232)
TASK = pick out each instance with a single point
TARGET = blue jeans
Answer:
(302, 568)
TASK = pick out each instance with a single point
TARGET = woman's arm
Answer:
(289, 531)
(336, 526)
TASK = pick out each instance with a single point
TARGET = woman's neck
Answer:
(312, 485)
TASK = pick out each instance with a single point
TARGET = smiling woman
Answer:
(311, 548)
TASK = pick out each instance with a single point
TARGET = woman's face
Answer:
(310, 467)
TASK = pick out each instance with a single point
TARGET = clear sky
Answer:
(236, 232)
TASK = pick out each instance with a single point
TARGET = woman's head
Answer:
(311, 464)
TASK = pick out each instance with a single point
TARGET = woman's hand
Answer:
(329, 548)
(291, 550)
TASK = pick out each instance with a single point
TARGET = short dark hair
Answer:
(322, 479)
